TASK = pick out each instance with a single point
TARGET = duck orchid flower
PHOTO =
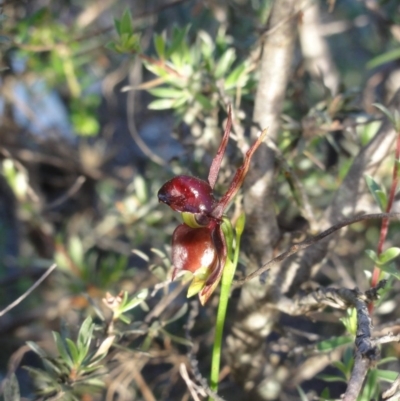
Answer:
(199, 244)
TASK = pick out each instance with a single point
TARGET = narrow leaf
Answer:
(329, 345)
(373, 187)
(161, 104)
(388, 255)
(384, 58)
(159, 44)
(224, 63)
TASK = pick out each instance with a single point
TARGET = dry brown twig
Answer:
(29, 291)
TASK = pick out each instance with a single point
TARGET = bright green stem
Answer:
(226, 282)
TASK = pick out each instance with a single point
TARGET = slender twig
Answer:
(313, 240)
(28, 292)
(68, 194)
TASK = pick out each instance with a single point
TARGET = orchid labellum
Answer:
(199, 244)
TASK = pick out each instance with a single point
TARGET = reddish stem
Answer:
(385, 222)
(216, 163)
(238, 178)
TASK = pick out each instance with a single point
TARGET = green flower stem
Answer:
(226, 283)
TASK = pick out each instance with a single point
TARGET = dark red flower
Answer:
(199, 245)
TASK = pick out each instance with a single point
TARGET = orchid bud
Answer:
(187, 194)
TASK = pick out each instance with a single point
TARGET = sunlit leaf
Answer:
(384, 58)
(224, 63)
(159, 44)
(388, 255)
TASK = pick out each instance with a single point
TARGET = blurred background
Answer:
(101, 102)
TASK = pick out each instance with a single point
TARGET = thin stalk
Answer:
(226, 284)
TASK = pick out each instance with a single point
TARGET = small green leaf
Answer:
(374, 188)
(161, 104)
(204, 102)
(325, 394)
(388, 255)
(125, 25)
(72, 350)
(85, 331)
(302, 394)
(391, 269)
(384, 58)
(386, 375)
(125, 319)
(166, 92)
(240, 223)
(346, 370)
(137, 300)
(332, 378)
(178, 36)
(386, 360)
(381, 195)
(329, 345)
(224, 63)
(372, 255)
(61, 347)
(159, 44)
(235, 77)
(36, 349)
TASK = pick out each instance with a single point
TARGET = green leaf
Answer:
(391, 269)
(178, 36)
(386, 375)
(332, 378)
(381, 195)
(159, 44)
(388, 255)
(166, 92)
(240, 223)
(161, 104)
(204, 102)
(302, 394)
(346, 370)
(325, 394)
(384, 58)
(11, 389)
(372, 255)
(224, 63)
(125, 24)
(62, 350)
(386, 360)
(234, 78)
(138, 299)
(36, 349)
(73, 350)
(329, 345)
(85, 332)
(375, 188)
